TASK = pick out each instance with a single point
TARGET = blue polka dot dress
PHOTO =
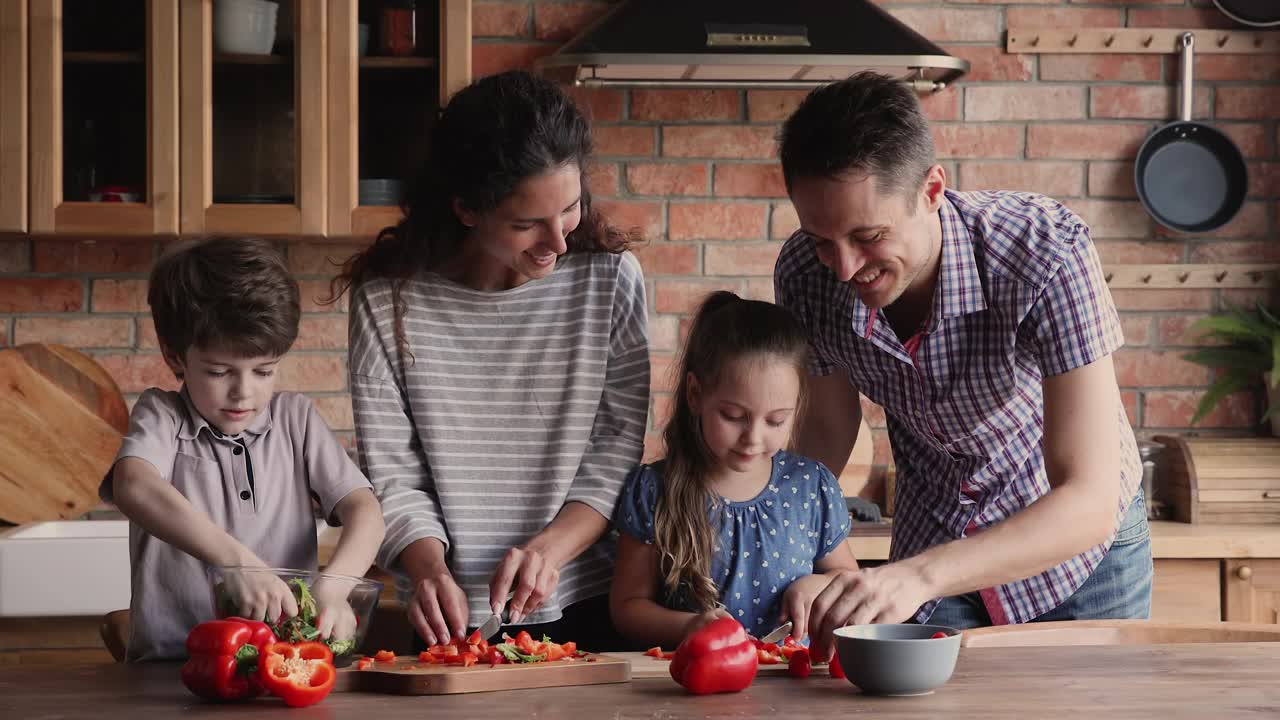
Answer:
(763, 544)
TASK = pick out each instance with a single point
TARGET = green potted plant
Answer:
(1249, 352)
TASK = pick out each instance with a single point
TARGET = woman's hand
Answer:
(529, 575)
(438, 608)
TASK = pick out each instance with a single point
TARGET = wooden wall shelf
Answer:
(1155, 41)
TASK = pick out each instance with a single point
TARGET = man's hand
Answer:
(887, 594)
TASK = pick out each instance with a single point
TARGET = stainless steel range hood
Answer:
(748, 43)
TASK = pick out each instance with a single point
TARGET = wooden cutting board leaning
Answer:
(64, 418)
(407, 676)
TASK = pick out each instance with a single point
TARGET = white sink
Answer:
(73, 567)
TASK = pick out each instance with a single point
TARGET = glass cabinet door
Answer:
(104, 132)
(253, 99)
(386, 85)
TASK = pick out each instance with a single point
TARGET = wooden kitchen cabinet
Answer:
(253, 127)
(103, 94)
(13, 116)
(1186, 590)
(1251, 590)
(382, 106)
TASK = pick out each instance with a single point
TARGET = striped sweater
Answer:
(510, 404)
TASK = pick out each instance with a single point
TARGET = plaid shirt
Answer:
(1020, 297)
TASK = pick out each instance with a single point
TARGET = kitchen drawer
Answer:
(1187, 591)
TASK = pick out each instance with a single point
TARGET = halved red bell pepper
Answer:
(834, 667)
(719, 657)
(224, 657)
(301, 674)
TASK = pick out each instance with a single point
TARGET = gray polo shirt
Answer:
(258, 486)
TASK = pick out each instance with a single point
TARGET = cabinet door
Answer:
(1187, 591)
(1252, 590)
(104, 116)
(387, 80)
(13, 116)
(253, 120)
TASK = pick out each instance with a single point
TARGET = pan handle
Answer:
(1188, 64)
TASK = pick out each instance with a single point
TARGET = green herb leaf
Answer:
(513, 654)
(1222, 387)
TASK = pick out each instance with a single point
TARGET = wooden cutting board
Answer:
(643, 666)
(406, 676)
(63, 419)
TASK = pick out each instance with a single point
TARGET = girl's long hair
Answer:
(725, 329)
(493, 134)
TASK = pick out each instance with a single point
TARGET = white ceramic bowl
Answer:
(244, 26)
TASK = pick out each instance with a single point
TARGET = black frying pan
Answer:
(1259, 13)
(1190, 176)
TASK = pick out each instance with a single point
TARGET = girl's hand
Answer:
(438, 608)
(697, 621)
(797, 601)
(529, 575)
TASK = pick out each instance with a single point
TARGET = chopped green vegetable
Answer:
(513, 654)
(299, 628)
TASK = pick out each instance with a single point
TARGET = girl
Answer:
(500, 372)
(729, 523)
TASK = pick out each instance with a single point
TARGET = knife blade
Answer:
(778, 634)
(490, 627)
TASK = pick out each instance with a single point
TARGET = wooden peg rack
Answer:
(1192, 276)
(1162, 41)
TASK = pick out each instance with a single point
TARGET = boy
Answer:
(224, 471)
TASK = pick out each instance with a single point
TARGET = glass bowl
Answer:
(312, 590)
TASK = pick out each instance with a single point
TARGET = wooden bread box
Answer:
(1220, 480)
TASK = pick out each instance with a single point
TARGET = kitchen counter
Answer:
(1164, 681)
(1168, 540)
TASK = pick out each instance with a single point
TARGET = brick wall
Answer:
(696, 171)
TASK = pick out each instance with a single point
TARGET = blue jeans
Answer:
(1120, 586)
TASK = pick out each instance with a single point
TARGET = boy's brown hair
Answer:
(234, 294)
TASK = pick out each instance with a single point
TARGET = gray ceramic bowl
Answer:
(897, 659)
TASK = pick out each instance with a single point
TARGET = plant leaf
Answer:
(1234, 327)
(1266, 315)
(1222, 387)
(1231, 359)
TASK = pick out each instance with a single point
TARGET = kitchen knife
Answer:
(778, 634)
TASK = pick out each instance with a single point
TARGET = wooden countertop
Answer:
(1168, 540)
(1163, 681)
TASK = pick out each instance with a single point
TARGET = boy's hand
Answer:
(335, 619)
(697, 621)
(262, 596)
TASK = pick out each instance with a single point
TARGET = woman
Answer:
(500, 372)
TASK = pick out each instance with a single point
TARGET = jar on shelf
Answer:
(397, 29)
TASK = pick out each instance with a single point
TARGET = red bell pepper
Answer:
(224, 657)
(301, 674)
(719, 657)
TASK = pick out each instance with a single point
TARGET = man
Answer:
(982, 324)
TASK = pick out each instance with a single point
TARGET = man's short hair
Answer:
(234, 294)
(868, 123)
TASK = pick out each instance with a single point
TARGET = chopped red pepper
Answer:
(224, 655)
(719, 657)
(496, 657)
(937, 635)
(301, 674)
(384, 656)
(800, 666)
(836, 670)
(364, 663)
(654, 652)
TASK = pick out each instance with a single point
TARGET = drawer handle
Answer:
(1271, 495)
(1244, 572)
